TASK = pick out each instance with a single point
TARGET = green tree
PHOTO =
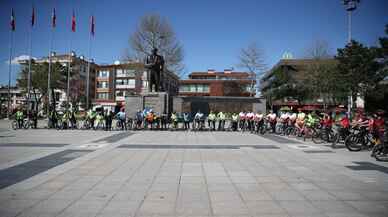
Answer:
(359, 69)
(39, 79)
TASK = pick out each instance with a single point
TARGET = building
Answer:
(212, 83)
(226, 91)
(78, 81)
(114, 82)
(294, 71)
(18, 99)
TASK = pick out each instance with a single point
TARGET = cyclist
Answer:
(250, 120)
(211, 120)
(186, 120)
(259, 121)
(292, 119)
(164, 121)
(108, 120)
(221, 120)
(198, 120)
(150, 119)
(284, 120)
(311, 120)
(234, 121)
(19, 116)
(300, 119)
(174, 120)
(242, 120)
(378, 126)
(73, 119)
(121, 116)
(139, 119)
(271, 116)
(65, 119)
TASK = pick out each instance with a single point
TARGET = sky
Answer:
(212, 32)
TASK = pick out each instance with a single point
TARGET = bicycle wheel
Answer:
(279, 129)
(26, 124)
(380, 152)
(14, 125)
(317, 137)
(335, 140)
(353, 143)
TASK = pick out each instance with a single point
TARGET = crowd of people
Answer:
(214, 121)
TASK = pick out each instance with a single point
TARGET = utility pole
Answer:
(351, 5)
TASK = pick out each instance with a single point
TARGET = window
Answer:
(129, 72)
(103, 74)
(119, 93)
(192, 88)
(103, 95)
(200, 88)
(102, 84)
(184, 88)
(131, 83)
(206, 88)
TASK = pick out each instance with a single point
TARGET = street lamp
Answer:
(351, 5)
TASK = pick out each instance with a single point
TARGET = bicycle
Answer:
(26, 124)
(359, 140)
(380, 150)
(339, 135)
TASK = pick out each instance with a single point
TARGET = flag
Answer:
(92, 25)
(73, 22)
(33, 17)
(54, 19)
(13, 23)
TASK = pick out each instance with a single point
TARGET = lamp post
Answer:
(351, 5)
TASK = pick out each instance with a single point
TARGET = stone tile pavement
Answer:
(117, 181)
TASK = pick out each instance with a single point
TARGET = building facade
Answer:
(78, 78)
(288, 73)
(212, 83)
(114, 82)
(18, 99)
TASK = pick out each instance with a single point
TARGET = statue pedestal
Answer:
(157, 101)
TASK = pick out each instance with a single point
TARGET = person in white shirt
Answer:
(242, 117)
(272, 120)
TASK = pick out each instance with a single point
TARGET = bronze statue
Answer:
(155, 64)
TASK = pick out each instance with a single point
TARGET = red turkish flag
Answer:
(92, 25)
(73, 22)
(13, 23)
(54, 19)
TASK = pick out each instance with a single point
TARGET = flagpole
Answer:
(90, 59)
(29, 74)
(49, 71)
(9, 73)
(68, 73)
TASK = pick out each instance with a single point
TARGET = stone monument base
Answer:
(157, 101)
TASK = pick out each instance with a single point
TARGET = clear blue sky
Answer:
(211, 31)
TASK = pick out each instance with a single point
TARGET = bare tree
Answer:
(251, 59)
(319, 49)
(155, 32)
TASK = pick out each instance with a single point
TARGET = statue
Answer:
(155, 64)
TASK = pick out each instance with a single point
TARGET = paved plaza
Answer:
(49, 173)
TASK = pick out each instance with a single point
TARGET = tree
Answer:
(155, 32)
(39, 79)
(251, 59)
(319, 49)
(324, 81)
(359, 68)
